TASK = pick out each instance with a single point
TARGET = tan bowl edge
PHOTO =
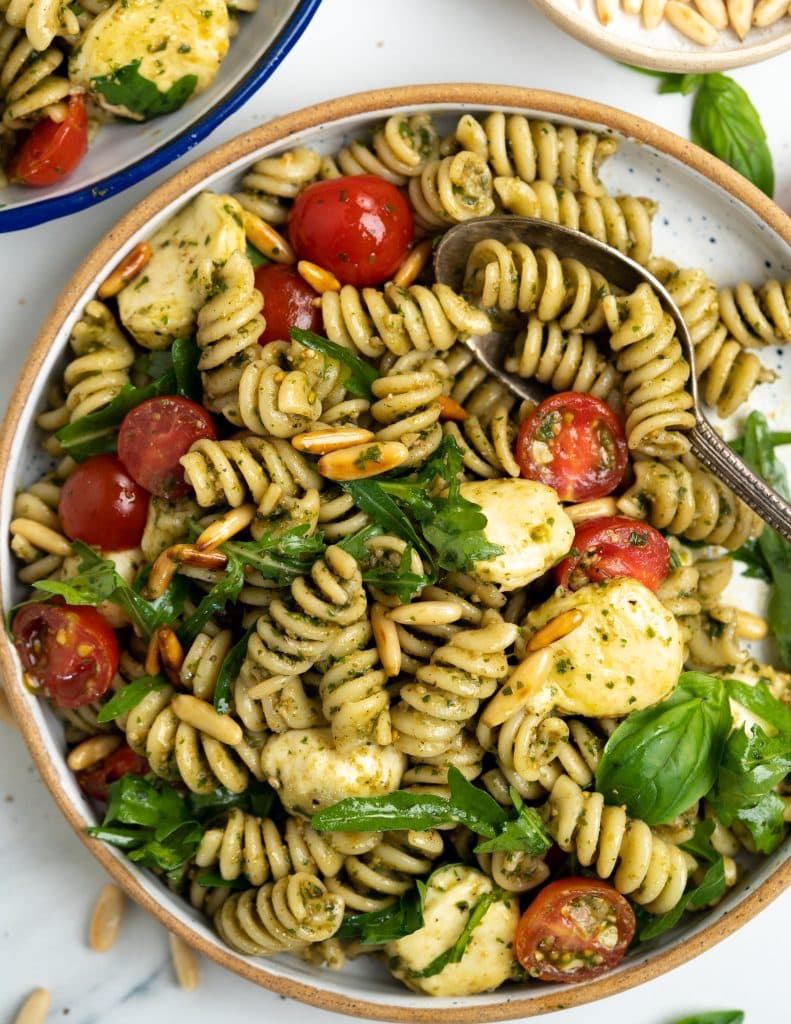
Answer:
(701, 61)
(310, 117)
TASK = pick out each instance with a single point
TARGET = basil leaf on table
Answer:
(661, 760)
(715, 1017)
(361, 374)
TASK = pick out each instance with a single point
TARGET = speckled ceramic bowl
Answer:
(709, 216)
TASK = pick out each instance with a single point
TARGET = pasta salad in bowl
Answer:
(388, 691)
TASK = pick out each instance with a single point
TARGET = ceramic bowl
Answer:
(709, 216)
(664, 48)
(124, 153)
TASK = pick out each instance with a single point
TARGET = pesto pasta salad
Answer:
(359, 654)
(66, 67)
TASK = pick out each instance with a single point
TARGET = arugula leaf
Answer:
(760, 700)
(454, 954)
(355, 542)
(279, 555)
(126, 87)
(525, 832)
(711, 888)
(361, 374)
(390, 923)
(224, 591)
(715, 1017)
(229, 672)
(186, 355)
(725, 122)
(661, 760)
(129, 697)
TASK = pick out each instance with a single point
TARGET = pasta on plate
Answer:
(381, 655)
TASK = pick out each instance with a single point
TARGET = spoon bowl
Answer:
(450, 261)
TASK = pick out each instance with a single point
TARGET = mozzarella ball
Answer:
(488, 960)
(526, 519)
(310, 774)
(127, 564)
(627, 654)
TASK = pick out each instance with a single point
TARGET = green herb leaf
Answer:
(225, 591)
(369, 496)
(126, 87)
(154, 364)
(256, 257)
(777, 439)
(761, 702)
(279, 555)
(257, 799)
(186, 355)
(750, 554)
(129, 697)
(715, 1017)
(725, 122)
(390, 923)
(700, 844)
(525, 832)
(454, 954)
(661, 760)
(711, 888)
(213, 880)
(361, 374)
(229, 673)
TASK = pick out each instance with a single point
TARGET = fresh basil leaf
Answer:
(454, 953)
(474, 807)
(399, 810)
(256, 257)
(257, 799)
(229, 672)
(129, 697)
(761, 702)
(126, 87)
(700, 844)
(750, 554)
(97, 432)
(154, 364)
(212, 880)
(389, 924)
(777, 439)
(171, 853)
(525, 832)
(186, 355)
(123, 838)
(715, 1017)
(144, 800)
(361, 374)
(712, 888)
(725, 122)
(661, 760)
(354, 544)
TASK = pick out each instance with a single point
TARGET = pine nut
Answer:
(91, 751)
(750, 627)
(767, 12)
(202, 716)
(740, 13)
(426, 613)
(362, 460)
(386, 637)
(714, 11)
(521, 686)
(268, 241)
(106, 919)
(692, 24)
(152, 663)
(35, 1008)
(449, 409)
(6, 714)
(319, 279)
(593, 509)
(126, 271)
(413, 264)
(185, 963)
(171, 652)
(40, 536)
(331, 439)
(164, 568)
(225, 527)
(556, 629)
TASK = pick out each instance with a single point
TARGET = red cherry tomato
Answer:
(612, 547)
(359, 228)
(52, 150)
(153, 437)
(69, 651)
(123, 761)
(574, 443)
(288, 302)
(101, 504)
(574, 930)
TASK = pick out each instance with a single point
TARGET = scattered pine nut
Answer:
(268, 241)
(426, 613)
(91, 751)
(126, 271)
(35, 1008)
(319, 279)
(225, 527)
(750, 627)
(413, 264)
(171, 652)
(386, 637)
(331, 439)
(556, 629)
(522, 685)
(449, 409)
(202, 716)
(593, 509)
(106, 919)
(363, 460)
(185, 963)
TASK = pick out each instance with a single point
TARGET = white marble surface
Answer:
(48, 881)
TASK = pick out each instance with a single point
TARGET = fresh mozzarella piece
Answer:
(526, 519)
(127, 564)
(310, 774)
(488, 960)
(162, 304)
(164, 40)
(626, 654)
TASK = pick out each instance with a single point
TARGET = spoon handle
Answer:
(715, 455)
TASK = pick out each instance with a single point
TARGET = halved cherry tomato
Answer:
(288, 302)
(52, 150)
(153, 437)
(101, 504)
(574, 930)
(359, 228)
(69, 651)
(574, 443)
(612, 547)
(94, 781)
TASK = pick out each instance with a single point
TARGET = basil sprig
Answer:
(360, 375)
(661, 760)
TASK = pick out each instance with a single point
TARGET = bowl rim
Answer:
(16, 218)
(702, 61)
(374, 102)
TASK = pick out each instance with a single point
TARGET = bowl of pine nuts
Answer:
(213, 757)
(677, 35)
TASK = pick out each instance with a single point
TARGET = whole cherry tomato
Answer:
(574, 443)
(359, 228)
(52, 149)
(69, 651)
(153, 437)
(288, 302)
(101, 504)
(614, 546)
(122, 761)
(574, 930)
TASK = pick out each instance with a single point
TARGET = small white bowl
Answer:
(709, 216)
(124, 153)
(664, 48)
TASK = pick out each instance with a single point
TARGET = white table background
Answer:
(48, 882)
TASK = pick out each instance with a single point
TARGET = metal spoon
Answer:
(450, 260)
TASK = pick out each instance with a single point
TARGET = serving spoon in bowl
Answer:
(450, 261)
